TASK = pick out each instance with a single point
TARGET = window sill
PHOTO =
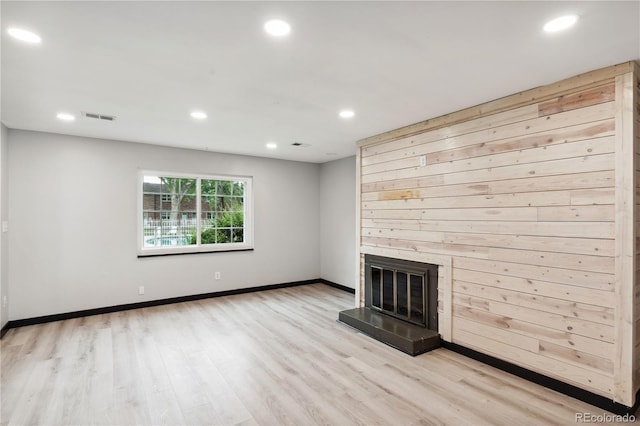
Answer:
(191, 250)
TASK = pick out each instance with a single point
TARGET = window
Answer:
(181, 213)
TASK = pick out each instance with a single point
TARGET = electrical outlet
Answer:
(217, 275)
(141, 290)
(4, 301)
(423, 160)
(5, 226)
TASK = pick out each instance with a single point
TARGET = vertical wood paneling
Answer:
(636, 292)
(625, 266)
(527, 197)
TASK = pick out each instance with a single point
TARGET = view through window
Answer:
(185, 213)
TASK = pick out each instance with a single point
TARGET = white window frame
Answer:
(247, 244)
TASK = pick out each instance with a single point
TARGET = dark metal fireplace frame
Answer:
(404, 289)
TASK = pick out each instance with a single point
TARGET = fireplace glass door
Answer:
(401, 294)
(404, 289)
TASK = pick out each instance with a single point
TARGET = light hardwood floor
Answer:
(275, 357)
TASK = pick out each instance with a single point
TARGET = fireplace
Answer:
(403, 289)
(400, 304)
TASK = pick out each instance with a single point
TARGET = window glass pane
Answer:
(237, 204)
(224, 187)
(208, 235)
(223, 236)
(169, 211)
(223, 212)
(387, 290)
(238, 189)
(223, 204)
(237, 219)
(238, 235)
(376, 275)
(401, 293)
(417, 297)
(172, 214)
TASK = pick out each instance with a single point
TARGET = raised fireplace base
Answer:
(409, 338)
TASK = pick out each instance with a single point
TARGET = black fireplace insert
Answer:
(403, 289)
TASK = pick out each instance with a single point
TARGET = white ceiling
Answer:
(395, 63)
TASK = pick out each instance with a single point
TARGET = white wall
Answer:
(72, 210)
(4, 213)
(338, 221)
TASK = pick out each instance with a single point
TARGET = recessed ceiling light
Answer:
(277, 27)
(65, 116)
(24, 35)
(347, 113)
(561, 23)
(198, 115)
(272, 145)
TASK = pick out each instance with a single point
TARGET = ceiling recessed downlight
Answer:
(272, 145)
(277, 27)
(24, 35)
(198, 115)
(64, 116)
(346, 113)
(561, 23)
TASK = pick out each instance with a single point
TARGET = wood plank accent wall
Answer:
(533, 199)
(636, 103)
(625, 247)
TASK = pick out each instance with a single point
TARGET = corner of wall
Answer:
(337, 221)
(4, 314)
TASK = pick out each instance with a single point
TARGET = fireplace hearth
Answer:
(401, 304)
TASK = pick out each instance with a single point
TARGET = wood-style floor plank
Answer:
(276, 357)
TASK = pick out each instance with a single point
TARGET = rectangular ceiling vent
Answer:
(99, 116)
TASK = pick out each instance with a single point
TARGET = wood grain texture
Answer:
(578, 100)
(538, 215)
(625, 256)
(602, 179)
(636, 131)
(406, 156)
(570, 85)
(273, 357)
(592, 313)
(539, 131)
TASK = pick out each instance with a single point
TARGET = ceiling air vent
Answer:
(99, 116)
